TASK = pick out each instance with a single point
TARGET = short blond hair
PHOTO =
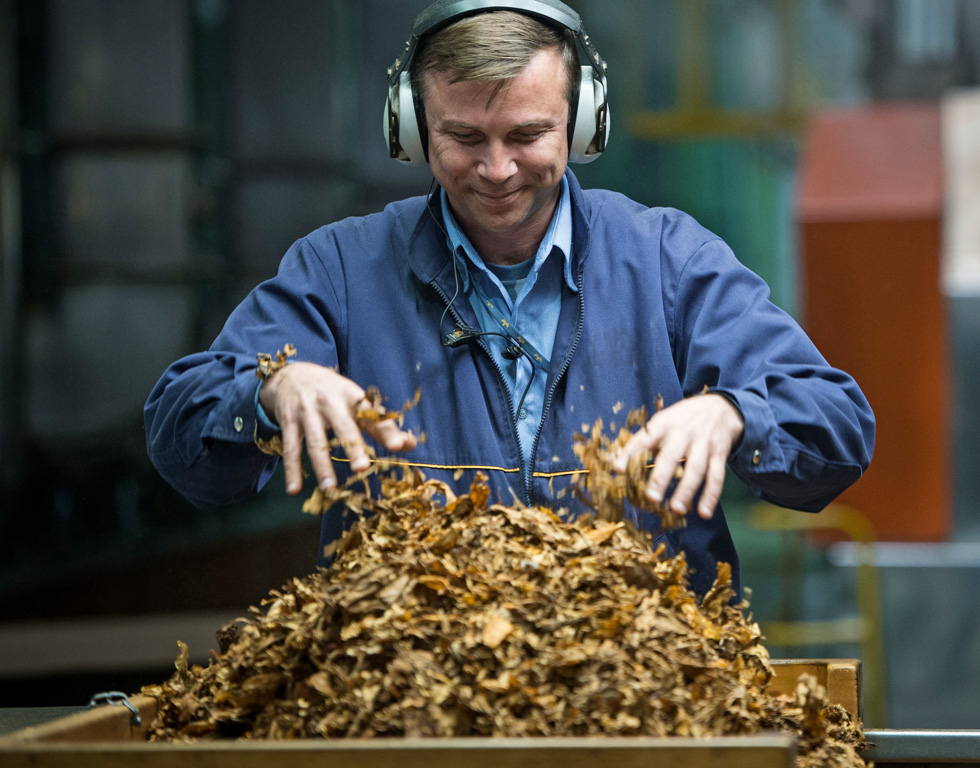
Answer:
(493, 46)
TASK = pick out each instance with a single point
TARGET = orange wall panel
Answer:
(871, 237)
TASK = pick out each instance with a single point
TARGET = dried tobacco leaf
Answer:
(371, 408)
(608, 492)
(442, 615)
(267, 366)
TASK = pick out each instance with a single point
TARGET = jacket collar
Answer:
(581, 232)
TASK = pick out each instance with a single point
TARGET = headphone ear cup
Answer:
(405, 139)
(588, 121)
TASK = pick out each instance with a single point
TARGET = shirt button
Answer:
(756, 457)
(522, 414)
(239, 424)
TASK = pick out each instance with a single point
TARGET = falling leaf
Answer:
(495, 630)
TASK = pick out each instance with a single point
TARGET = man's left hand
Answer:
(699, 431)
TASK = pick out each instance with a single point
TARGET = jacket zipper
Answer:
(525, 476)
(550, 394)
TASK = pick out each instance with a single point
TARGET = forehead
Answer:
(536, 94)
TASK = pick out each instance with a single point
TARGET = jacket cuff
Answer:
(757, 451)
(234, 419)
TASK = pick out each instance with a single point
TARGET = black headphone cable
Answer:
(465, 334)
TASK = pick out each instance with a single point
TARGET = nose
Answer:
(497, 164)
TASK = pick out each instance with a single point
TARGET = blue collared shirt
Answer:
(533, 312)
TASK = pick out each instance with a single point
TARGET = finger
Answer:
(664, 469)
(695, 466)
(390, 435)
(349, 434)
(643, 441)
(292, 455)
(640, 443)
(714, 483)
(318, 449)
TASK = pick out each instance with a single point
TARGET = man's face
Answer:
(501, 163)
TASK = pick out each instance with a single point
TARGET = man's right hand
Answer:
(306, 400)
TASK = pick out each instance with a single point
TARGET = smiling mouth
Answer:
(497, 197)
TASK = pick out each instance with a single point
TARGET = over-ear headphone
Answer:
(589, 125)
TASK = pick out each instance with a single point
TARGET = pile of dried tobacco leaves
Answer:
(447, 616)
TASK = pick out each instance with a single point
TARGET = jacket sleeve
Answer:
(809, 431)
(201, 419)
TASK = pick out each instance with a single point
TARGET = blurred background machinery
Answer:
(157, 158)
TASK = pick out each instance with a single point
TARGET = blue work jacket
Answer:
(663, 308)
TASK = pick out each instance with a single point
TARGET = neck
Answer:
(507, 248)
(516, 245)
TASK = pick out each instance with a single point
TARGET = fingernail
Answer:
(293, 487)
(326, 483)
(654, 494)
(679, 507)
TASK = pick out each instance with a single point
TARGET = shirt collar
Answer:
(558, 235)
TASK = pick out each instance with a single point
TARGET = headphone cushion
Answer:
(586, 120)
(408, 136)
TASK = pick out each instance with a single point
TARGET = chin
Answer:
(501, 220)
(500, 224)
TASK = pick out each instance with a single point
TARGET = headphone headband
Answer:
(405, 131)
(444, 11)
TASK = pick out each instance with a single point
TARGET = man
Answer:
(523, 307)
